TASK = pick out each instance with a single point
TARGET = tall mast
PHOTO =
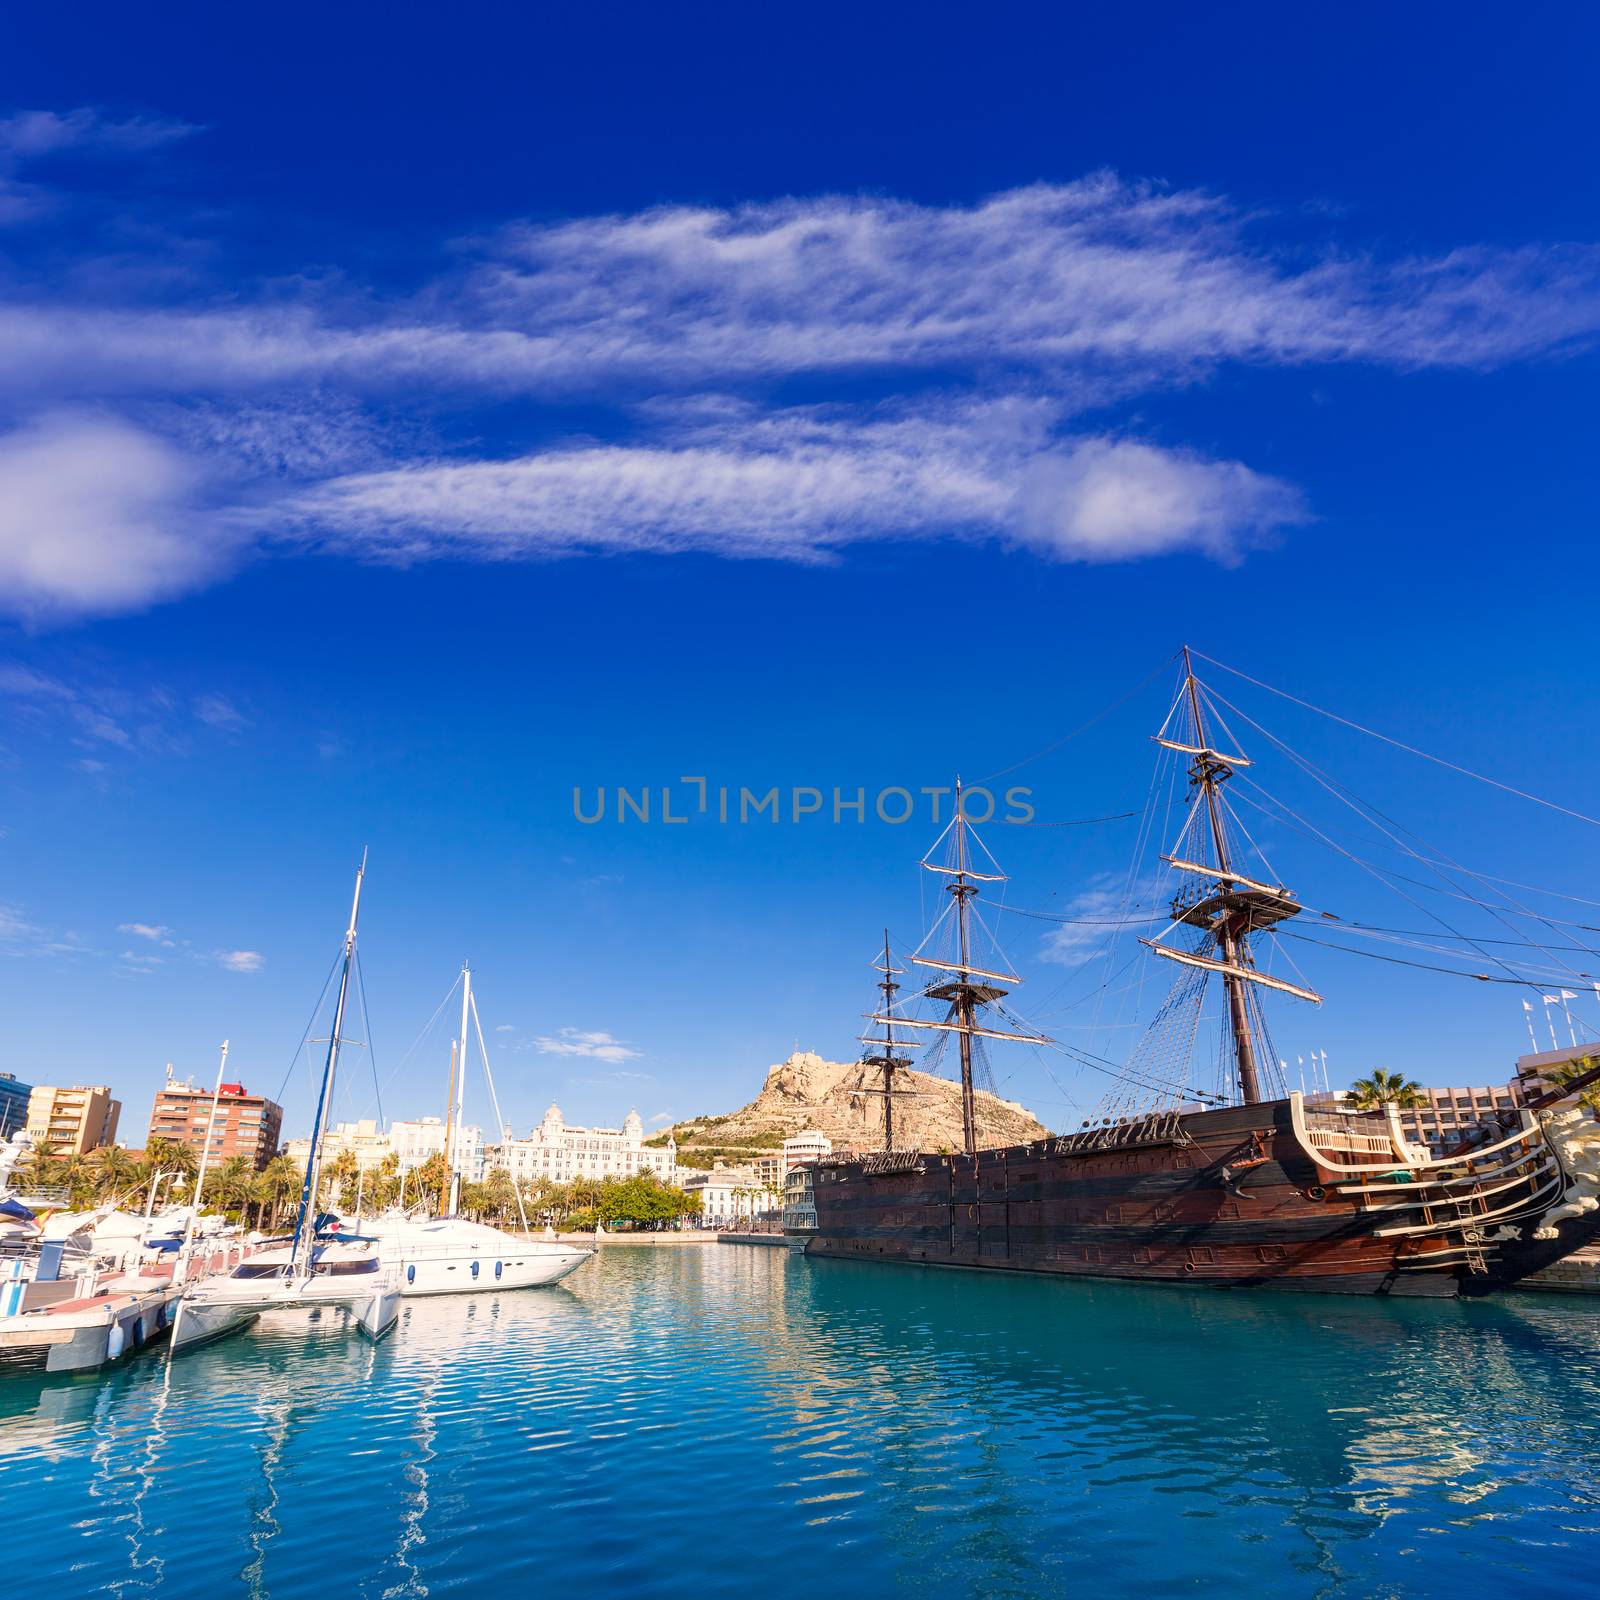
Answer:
(461, 1085)
(449, 1120)
(885, 1057)
(964, 891)
(304, 1234)
(1206, 771)
(962, 993)
(1231, 906)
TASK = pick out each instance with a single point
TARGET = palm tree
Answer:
(117, 1172)
(40, 1169)
(230, 1185)
(1563, 1075)
(282, 1180)
(79, 1173)
(1380, 1088)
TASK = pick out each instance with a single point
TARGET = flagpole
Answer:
(1527, 1016)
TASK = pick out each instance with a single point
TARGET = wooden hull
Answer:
(1231, 1198)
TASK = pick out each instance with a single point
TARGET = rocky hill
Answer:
(807, 1092)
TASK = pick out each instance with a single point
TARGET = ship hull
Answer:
(1233, 1198)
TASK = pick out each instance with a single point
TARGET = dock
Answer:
(1578, 1273)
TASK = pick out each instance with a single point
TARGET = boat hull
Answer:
(422, 1274)
(1230, 1198)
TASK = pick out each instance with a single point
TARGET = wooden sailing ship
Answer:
(1267, 1192)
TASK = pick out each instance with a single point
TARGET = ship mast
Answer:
(962, 994)
(1208, 770)
(1235, 906)
(884, 1056)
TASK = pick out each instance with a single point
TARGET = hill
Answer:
(807, 1092)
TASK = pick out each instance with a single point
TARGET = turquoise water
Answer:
(720, 1420)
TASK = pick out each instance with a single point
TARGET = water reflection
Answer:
(677, 1422)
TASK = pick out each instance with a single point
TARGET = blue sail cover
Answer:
(15, 1209)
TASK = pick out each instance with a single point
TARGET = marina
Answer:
(800, 803)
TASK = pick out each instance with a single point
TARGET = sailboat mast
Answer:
(449, 1122)
(308, 1193)
(1204, 770)
(461, 1085)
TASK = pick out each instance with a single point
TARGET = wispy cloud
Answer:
(675, 324)
(32, 136)
(240, 960)
(154, 932)
(595, 1044)
(804, 482)
(1099, 916)
(217, 711)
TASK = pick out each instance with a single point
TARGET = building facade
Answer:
(1533, 1072)
(246, 1124)
(414, 1140)
(729, 1195)
(800, 1148)
(365, 1140)
(13, 1104)
(72, 1121)
(559, 1153)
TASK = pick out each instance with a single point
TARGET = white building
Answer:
(365, 1140)
(728, 1194)
(800, 1148)
(415, 1140)
(561, 1153)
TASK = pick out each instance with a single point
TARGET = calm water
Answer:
(715, 1421)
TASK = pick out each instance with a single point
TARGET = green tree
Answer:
(430, 1184)
(116, 1174)
(281, 1181)
(1380, 1088)
(1570, 1071)
(229, 1185)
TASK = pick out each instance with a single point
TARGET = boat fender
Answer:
(1316, 1192)
(116, 1339)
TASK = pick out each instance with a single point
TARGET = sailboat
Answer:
(1248, 1188)
(314, 1268)
(445, 1253)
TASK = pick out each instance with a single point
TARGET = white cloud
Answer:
(1101, 914)
(1048, 299)
(95, 518)
(147, 930)
(579, 1042)
(28, 134)
(241, 960)
(804, 482)
(217, 711)
(1080, 284)
(505, 1027)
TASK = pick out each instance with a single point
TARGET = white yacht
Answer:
(447, 1254)
(450, 1255)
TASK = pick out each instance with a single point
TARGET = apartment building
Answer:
(72, 1121)
(245, 1124)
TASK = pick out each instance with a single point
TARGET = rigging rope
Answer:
(1466, 772)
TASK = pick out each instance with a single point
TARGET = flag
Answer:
(1526, 1006)
(1568, 994)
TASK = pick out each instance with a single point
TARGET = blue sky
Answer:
(403, 423)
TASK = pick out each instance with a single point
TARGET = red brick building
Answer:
(247, 1125)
